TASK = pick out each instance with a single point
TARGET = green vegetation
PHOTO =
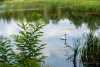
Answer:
(21, 15)
(76, 51)
(91, 52)
(93, 20)
(28, 40)
(29, 47)
(75, 5)
(78, 11)
(5, 65)
(29, 44)
(6, 53)
(88, 52)
(70, 5)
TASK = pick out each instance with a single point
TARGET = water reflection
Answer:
(90, 18)
(55, 49)
(7, 29)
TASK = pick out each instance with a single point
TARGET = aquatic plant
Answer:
(29, 44)
(7, 56)
(90, 55)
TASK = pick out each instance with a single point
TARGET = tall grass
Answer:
(91, 52)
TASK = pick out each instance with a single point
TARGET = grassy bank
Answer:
(74, 5)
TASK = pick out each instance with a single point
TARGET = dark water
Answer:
(75, 25)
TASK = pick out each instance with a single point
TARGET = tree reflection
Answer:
(91, 18)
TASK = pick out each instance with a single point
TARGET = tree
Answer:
(29, 43)
(90, 55)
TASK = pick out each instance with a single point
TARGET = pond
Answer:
(74, 24)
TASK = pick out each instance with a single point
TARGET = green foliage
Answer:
(5, 65)
(29, 46)
(91, 51)
(29, 43)
(31, 63)
(6, 53)
(81, 5)
(76, 50)
(2, 0)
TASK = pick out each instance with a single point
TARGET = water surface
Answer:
(54, 30)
